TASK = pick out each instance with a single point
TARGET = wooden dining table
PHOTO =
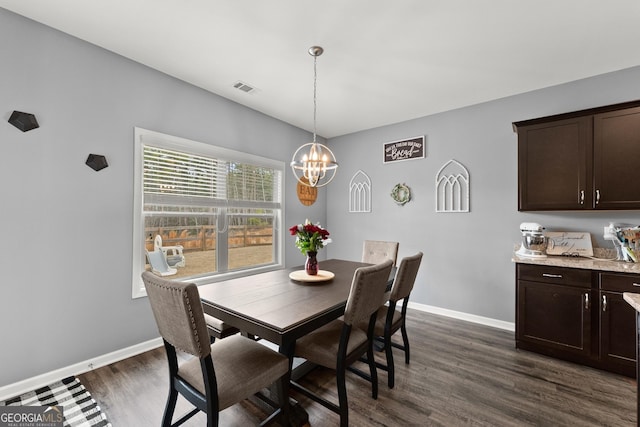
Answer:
(276, 308)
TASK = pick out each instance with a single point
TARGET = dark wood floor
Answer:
(461, 374)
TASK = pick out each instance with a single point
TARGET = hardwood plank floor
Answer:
(461, 374)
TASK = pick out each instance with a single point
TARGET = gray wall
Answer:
(65, 245)
(467, 264)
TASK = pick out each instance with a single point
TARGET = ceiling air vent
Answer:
(244, 87)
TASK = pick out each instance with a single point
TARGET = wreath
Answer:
(401, 194)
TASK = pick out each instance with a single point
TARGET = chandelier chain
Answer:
(315, 103)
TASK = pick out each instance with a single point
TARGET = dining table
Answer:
(274, 307)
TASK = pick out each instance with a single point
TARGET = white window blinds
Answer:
(192, 179)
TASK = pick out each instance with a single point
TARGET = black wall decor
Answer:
(23, 121)
(96, 162)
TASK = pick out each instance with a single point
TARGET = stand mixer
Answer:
(534, 243)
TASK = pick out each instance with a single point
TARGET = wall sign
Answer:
(569, 243)
(307, 195)
(405, 149)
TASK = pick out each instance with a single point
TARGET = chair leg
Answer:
(342, 397)
(282, 387)
(405, 340)
(212, 418)
(372, 371)
(388, 349)
(170, 406)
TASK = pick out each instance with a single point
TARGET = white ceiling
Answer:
(385, 61)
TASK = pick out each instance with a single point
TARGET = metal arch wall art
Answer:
(452, 188)
(360, 193)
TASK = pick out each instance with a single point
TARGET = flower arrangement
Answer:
(310, 237)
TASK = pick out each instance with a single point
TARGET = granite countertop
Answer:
(633, 299)
(603, 260)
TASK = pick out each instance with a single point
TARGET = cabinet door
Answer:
(555, 165)
(617, 159)
(556, 318)
(617, 334)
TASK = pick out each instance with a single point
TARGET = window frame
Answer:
(144, 137)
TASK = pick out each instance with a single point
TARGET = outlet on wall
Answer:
(609, 233)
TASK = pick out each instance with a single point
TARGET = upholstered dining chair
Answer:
(389, 320)
(339, 343)
(376, 251)
(218, 329)
(221, 374)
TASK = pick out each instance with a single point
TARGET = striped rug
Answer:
(78, 406)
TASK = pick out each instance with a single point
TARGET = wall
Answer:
(65, 249)
(467, 263)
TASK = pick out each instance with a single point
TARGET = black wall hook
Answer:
(23, 121)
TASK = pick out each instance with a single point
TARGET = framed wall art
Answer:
(404, 149)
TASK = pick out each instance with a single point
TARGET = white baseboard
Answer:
(16, 389)
(24, 386)
(500, 324)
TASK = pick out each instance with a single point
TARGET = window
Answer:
(216, 212)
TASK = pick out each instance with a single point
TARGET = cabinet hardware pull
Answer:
(586, 300)
(582, 197)
(636, 284)
(555, 276)
(597, 196)
(604, 303)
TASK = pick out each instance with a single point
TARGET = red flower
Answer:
(309, 237)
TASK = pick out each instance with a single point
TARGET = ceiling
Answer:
(385, 61)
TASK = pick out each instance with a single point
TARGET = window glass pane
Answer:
(181, 174)
(250, 237)
(185, 232)
(251, 183)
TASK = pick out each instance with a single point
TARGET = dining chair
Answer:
(376, 251)
(389, 320)
(221, 374)
(218, 329)
(340, 343)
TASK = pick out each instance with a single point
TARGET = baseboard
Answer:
(24, 386)
(494, 323)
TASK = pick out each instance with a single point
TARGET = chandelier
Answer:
(313, 163)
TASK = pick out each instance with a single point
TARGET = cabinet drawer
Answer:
(557, 275)
(619, 282)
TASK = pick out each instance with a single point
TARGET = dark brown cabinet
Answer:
(616, 153)
(617, 322)
(554, 311)
(577, 315)
(580, 161)
(554, 164)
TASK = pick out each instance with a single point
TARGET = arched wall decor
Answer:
(360, 193)
(452, 188)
